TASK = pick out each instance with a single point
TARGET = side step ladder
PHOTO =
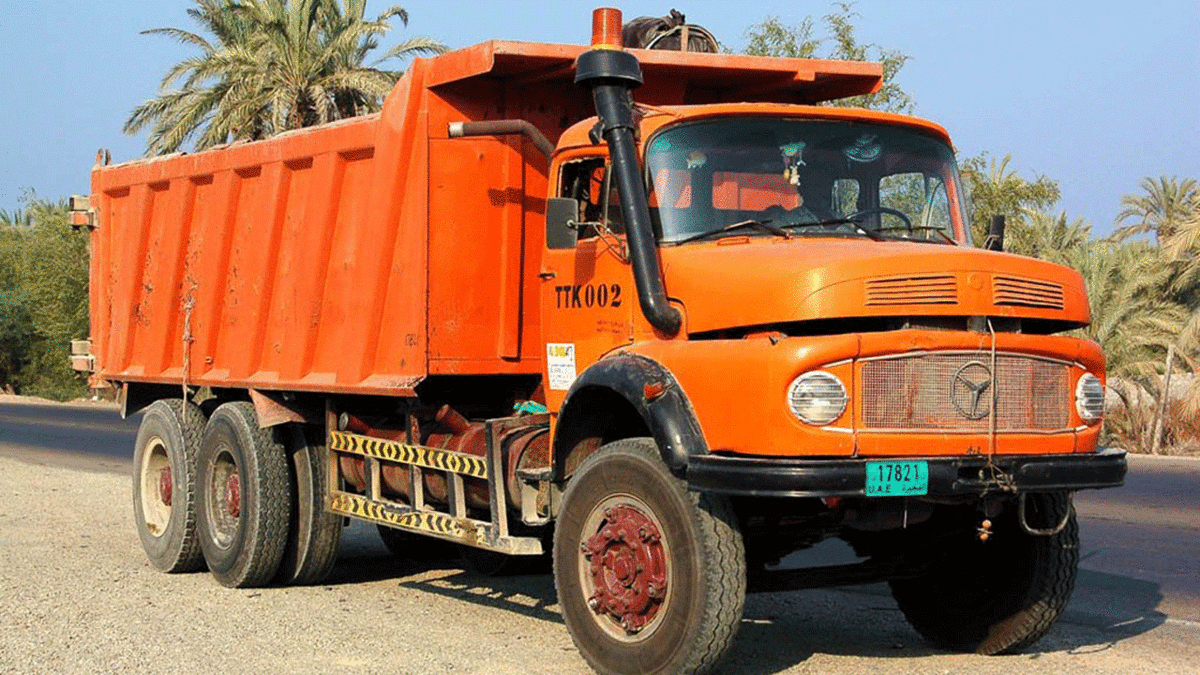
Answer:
(455, 523)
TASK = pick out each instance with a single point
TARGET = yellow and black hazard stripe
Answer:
(430, 522)
(402, 453)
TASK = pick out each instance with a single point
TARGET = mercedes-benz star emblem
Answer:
(967, 390)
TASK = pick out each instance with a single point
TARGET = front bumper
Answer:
(948, 477)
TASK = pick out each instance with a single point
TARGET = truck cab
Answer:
(818, 351)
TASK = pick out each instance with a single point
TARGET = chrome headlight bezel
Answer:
(817, 397)
(1089, 398)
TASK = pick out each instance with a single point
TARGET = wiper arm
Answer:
(764, 225)
(870, 234)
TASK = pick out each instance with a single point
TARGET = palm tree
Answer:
(1166, 202)
(1130, 318)
(1048, 237)
(270, 66)
(1181, 250)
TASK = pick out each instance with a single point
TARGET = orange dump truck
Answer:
(594, 304)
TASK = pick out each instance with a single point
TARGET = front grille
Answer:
(919, 392)
(929, 289)
(1019, 292)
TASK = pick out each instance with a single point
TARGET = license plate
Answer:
(904, 478)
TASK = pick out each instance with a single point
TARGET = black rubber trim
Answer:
(845, 477)
(668, 414)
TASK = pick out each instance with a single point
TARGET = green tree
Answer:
(16, 336)
(43, 301)
(1053, 238)
(772, 37)
(270, 66)
(15, 218)
(1170, 209)
(995, 189)
(1163, 206)
(1130, 317)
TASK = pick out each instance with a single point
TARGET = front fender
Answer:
(652, 391)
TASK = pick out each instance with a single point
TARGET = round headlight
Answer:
(817, 397)
(1089, 398)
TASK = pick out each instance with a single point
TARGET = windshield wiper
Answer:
(870, 234)
(764, 225)
(923, 228)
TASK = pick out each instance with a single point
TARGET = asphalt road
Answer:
(1136, 606)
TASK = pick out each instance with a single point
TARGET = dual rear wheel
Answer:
(244, 500)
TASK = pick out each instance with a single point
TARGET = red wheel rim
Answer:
(625, 567)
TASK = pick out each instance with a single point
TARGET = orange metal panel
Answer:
(814, 278)
(268, 264)
(476, 256)
(738, 389)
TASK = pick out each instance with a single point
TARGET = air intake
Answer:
(1018, 292)
(934, 289)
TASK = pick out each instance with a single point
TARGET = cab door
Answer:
(587, 289)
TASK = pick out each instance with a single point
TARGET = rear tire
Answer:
(245, 498)
(998, 596)
(665, 568)
(313, 533)
(164, 485)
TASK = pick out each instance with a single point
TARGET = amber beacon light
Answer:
(606, 28)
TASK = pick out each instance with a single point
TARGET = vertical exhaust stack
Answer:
(612, 74)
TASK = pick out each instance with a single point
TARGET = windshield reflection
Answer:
(804, 177)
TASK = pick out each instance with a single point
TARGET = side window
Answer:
(585, 180)
(921, 196)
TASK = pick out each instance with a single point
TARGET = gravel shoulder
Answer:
(77, 596)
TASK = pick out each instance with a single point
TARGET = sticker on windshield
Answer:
(560, 365)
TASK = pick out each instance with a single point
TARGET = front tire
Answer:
(245, 498)
(651, 578)
(164, 485)
(998, 596)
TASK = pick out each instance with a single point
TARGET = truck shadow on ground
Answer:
(782, 630)
(527, 590)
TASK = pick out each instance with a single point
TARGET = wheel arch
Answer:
(623, 396)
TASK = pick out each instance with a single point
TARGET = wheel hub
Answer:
(233, 495)
(165, 485)
(628, 566)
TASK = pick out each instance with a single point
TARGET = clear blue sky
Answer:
(1095, 95)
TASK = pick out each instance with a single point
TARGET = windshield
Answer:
(804, 177)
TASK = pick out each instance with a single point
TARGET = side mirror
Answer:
(561, 215)
(995, 238)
